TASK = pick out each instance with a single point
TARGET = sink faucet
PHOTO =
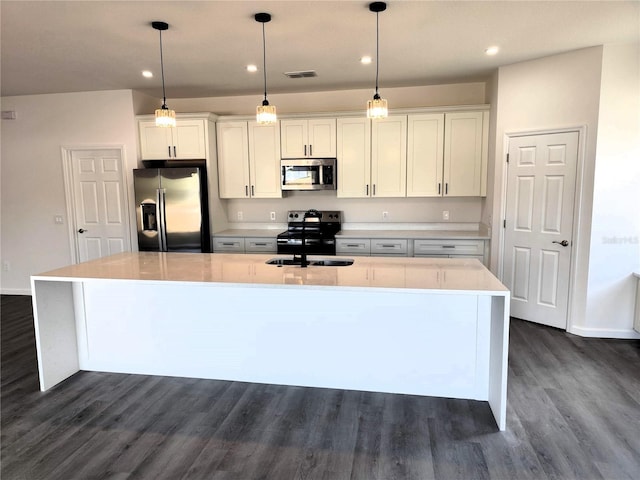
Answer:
(303, 251)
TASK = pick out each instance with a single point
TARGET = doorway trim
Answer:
(70, 200)
(578, 235)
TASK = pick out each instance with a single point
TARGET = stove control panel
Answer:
(315, 215)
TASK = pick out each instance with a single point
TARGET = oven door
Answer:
(292, 244)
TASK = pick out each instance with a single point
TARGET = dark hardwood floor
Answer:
(573, 412)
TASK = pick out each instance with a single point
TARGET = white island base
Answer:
(436, 327)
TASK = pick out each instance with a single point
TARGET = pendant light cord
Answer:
(164, 96)
(264, 61)
(377, 50)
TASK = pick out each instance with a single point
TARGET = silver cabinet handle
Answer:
(367, 189)
(446, 188)
(169, 148)
(387, 245)
(374, 189)
(439, 188)
(246, 190)
(253, 193)
(305, 150)
(174, 151)
(311, 150)
(564, 243)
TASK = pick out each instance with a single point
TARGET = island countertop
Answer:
(435, 274)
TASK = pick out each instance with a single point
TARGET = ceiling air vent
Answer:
(301, 74)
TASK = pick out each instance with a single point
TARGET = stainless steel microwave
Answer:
(308, 174)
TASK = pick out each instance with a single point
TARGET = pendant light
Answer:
(164, 116)
(377, 108)
(265, 113)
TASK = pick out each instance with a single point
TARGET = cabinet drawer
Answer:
(448, 247)
(353, 246)
(389, 247)
(260, 245)
(228, 244)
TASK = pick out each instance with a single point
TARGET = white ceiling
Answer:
(65, 46)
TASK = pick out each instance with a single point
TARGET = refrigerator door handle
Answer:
(162, 228)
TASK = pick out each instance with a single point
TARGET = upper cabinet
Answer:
(313, 138)
(248, 160)
(447, 154)
(371, 157)
(187, 140)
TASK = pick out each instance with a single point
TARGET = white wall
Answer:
(565, 91)
(32, 175)
(337, 100)
(615, 229)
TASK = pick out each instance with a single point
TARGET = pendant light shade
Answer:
(164, 116)
(377, 107)
(265, 113)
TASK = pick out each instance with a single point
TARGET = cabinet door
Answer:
(189, 140)
(425, 154)
(389, 156)
(322, 138)
(354, 157)
(463, 154)
(233, 160)
(264, 160)
(154, 141)
(293, 138)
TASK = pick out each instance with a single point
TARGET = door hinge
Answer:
(504, 223)
(507, 158)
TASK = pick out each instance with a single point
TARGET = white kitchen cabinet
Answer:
(187, 140)
(313, 138)
(249, 160)
(425, 155)
(464, 149)
(447, 154)
(371, 157)
(353, 157)
(389, 156)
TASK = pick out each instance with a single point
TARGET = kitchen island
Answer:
(421, 326)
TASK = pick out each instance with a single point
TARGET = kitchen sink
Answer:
(337, 262)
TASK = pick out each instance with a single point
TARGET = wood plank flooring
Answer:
(573, 413)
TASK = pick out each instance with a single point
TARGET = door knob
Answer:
(82, 230)
(564, 243)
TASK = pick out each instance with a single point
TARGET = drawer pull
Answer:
(229, 244)
(260, 244)
(354, 245)
(388, 245)
(448, 246)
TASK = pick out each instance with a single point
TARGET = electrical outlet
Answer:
(445, 214)
(57, 219)
(6, 266)
(240, 216)
(272, 216)
(385, 215)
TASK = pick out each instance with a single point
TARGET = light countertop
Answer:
(415, 234)
(444, 275)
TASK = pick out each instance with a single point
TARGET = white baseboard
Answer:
(15, 291)
(605, 332)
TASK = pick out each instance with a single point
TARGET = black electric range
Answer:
(317, 228)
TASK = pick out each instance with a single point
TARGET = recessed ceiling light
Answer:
(147, 74)
(252, 68)
(366, 60)
(491, 50)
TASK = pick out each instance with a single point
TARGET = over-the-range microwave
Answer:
(308, 174)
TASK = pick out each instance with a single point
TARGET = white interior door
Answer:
(99, 208)
(539, 219)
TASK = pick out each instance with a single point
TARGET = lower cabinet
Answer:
(385, 247)
(244, 245)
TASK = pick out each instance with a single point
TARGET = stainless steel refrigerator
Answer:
(172, 209)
